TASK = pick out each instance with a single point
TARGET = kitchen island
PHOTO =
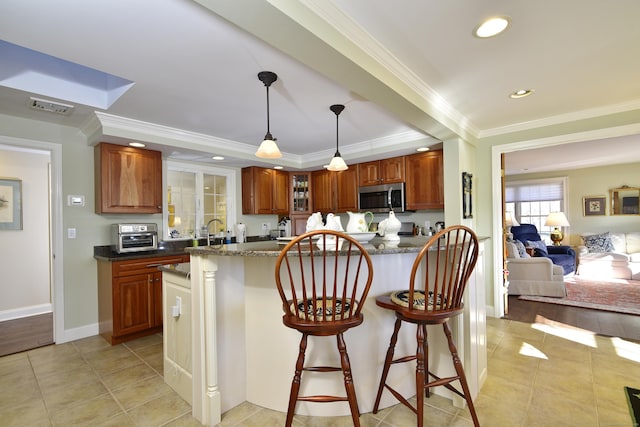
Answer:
(242, 351)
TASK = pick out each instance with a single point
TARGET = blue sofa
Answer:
(563, 256)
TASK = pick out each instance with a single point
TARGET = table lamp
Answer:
(556, 219)
(509, 221)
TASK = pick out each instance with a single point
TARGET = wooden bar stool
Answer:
(438, 279)
(323, 278)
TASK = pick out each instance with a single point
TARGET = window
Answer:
(530, 202)
(198, 196)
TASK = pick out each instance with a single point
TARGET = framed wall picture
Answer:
(467, 200)
(594, 205)
(10, 204)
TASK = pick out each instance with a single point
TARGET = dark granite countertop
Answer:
(165, 248)
(272, 248)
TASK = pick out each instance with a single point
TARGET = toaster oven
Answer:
(134, 237)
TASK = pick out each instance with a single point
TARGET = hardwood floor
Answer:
(26, 333)
(625, 326)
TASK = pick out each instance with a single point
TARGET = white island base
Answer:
(243, 352)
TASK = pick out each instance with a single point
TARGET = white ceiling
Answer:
(410, 73)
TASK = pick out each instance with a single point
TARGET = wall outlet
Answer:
(265, 228)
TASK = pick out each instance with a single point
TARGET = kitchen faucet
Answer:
(208, 224)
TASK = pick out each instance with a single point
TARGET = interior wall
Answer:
(25, 286)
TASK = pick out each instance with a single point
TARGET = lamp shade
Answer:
(268, 150)
(510, 220)
(337, 164)
(556, 219)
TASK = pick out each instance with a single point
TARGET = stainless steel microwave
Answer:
(382, 198)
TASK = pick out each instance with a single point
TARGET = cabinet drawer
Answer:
(145, 265)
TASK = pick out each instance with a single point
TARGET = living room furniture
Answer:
(533, 275)
(564, 256)
(610, 255)
(323, 297)
(434, 296)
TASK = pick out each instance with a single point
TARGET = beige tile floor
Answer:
(539, 375)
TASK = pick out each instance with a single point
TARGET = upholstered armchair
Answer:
(563, 256)
(533, 276)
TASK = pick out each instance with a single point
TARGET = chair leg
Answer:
(348, 380)
(387, 364)
(460, 370)
(295, 384)
(420, 373)
(427, 390)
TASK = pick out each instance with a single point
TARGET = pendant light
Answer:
(337, 163)
(268, 148)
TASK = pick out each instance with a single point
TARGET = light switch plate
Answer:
(75, 200)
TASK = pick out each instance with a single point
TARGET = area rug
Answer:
(617, 295)
(633, 398)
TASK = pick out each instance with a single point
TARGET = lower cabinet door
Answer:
(133, 309)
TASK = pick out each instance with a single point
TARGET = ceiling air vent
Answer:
(51, 106)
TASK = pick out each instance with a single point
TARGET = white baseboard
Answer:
(19, 313)
(77, 333)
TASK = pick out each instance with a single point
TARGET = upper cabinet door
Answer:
(386, 171)
(265, 191)
(392, 170)
(324, 193)
(127, 179)
(347, 190)
(425, 180)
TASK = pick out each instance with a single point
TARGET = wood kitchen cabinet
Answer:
(425, 180)
(130, 297)
(378, 172)
(127, 180)
(265, 191)
(335, 191)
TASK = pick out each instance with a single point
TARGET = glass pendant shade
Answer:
(337, 163)
(268, 148)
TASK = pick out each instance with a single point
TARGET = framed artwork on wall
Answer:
(467, 200)
(594, 205)
(10, 204)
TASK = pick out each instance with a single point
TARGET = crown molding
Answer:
(562, 118)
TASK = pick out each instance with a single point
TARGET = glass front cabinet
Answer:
(300, 201)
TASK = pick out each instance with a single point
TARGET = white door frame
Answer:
(496, 151)
(56, 249)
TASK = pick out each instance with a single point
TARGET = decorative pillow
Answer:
(521, 250)
(512, 250)
(596, 243)
(540, 247)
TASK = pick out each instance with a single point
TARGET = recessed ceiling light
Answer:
(277, 167)
(492, 27)
(520, 93)
(218, 158)
(421, 149)
(137, 144)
